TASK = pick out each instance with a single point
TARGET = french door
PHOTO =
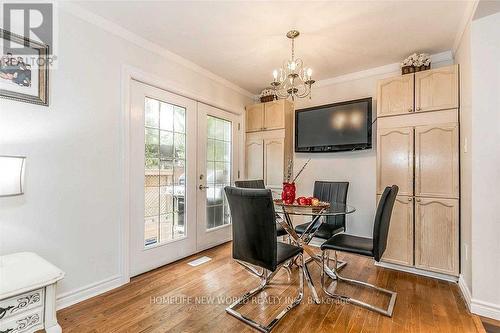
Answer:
(217, 151)
(181, 157)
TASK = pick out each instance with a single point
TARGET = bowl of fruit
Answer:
(305, 202)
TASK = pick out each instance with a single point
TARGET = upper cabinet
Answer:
(254, 117)
(430, 90)
(395, 95)
(267, 116)
(436, 89)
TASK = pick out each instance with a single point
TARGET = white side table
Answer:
(28, 294)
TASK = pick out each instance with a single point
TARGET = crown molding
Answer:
(381, 70)
(127, 35)
(466, 18)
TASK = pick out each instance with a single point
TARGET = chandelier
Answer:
(292, 79)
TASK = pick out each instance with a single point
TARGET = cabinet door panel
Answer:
(254, 153)
(399, 248)
(274, 150)
(274, 115)
(436, 161)
(254, 117)
(436, 89)
(436, 235)
(395, 95)
(395, 159)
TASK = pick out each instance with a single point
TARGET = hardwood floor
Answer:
(181, 298)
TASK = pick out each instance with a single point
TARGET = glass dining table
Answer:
(318, 215)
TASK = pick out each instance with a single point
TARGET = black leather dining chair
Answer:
(371, 247)
(259, 184)
(255, 246)
(332, 192)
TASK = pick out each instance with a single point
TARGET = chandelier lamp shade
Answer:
(293, 79)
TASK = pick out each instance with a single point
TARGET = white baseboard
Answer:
(78, 295)
(465, 291)
(417, 271)
(485, 309)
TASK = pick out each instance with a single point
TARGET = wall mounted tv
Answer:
(334, 127)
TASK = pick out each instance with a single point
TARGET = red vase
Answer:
(288, 194)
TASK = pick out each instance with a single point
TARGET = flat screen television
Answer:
(334, 127)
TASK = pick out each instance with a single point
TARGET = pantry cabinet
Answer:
(419, 152)
(269, 144)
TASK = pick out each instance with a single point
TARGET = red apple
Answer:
(302, 201)
(309, 201)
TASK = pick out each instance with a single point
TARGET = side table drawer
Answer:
(17, 304)
(29, 321)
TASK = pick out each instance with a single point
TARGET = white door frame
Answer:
(130, 73)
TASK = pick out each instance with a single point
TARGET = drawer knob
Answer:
(410, 110)
(418, 109)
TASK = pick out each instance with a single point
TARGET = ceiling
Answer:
(244, 41)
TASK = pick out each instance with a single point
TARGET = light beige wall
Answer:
(485, 66)
(463, 58)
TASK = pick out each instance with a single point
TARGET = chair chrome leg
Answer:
(252, 270)
(386, 312)
(265, 279)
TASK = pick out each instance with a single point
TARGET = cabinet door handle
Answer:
(418, 109)
(410, 110)
(418, 200)
(409, 199)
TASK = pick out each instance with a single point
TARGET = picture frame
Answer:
(24, 78)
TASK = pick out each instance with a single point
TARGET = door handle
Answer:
(202, 187)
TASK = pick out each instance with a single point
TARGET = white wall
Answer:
(485, 55)
(359, 167)
(462, 57)
(73, 204)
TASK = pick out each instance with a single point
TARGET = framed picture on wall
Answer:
(25, 77)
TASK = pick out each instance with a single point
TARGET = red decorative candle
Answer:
(288, 194)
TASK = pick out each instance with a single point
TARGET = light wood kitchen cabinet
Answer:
(254, 117)
(254, 152)
(418, 150)
(436, 89)
(274, 115)
(395, 95)
(436, 235)
(269, 144)
(268, 116)
(400, 240)
(395, 159)
(274, 161)
(436, 161)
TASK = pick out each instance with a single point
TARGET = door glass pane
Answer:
(219, 141)
(164, 172)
